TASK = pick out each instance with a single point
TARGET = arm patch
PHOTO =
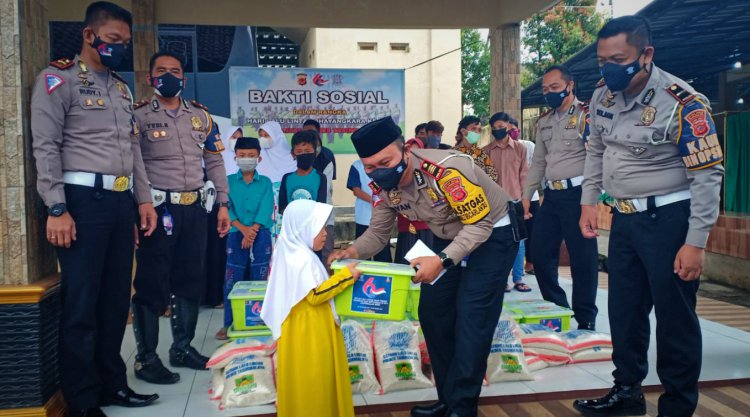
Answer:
(213, 142)
(467, 199)
(697, 139)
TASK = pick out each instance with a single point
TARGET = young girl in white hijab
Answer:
(276, 160)
(312, 368)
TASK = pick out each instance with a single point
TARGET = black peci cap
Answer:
(375, 136)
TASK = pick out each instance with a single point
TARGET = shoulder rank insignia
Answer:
(52, 82)
(140, 104)
(679, 93)
(198, 105)
(62, 64)
(432, 169)
(546, 113)
(118, 77)
(601, 83)
(583, 106)
(374, 187)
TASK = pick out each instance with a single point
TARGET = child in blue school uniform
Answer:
(251, 207)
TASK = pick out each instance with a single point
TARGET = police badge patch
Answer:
(648, 116)
(53, 82)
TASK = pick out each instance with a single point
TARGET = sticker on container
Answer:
(372, 294)
(553, 323)
(252, 312)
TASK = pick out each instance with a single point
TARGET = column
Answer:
(144, 44)
(505, 70)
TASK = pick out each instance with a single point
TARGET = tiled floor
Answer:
(726, 355)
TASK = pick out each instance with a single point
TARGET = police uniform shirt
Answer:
(175, 144)
(660, 142)
(454, 197)
(560, 151)
(80, 121)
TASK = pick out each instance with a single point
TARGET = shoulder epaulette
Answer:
(198, 105)
(62, 64)
(601, 83)
(546, 113)
(583, 105)
(680, 94)
(432, 169)
(118, 77)
(140, 104)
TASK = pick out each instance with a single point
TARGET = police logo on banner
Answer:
(697, 141)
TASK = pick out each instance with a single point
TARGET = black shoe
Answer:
(128, 398)
(437, 409)
(587, 326)
(189, 358)
(622, 400)
(153, 371)
(91, 412)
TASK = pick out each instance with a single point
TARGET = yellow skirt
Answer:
(313, 372)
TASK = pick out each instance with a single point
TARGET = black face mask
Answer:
(167, 85)
(500, 134)
(555, 99)
(305, 161)
(111, 54)
(388, 178)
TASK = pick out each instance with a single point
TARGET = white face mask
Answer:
(247, 164)
(265, 142)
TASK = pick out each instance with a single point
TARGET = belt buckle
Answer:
(121, 184)
(187, 199)
(626, 206)
(558, 185)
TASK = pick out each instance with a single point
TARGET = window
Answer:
(368, 46)
(400, 47)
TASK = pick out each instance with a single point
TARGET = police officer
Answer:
(468, 213)
(86, 155)
(559, 157)
(653, 148)
(176, 138)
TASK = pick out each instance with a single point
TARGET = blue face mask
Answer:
(618, 77)
(111, 54)
(388, 178)
(167, 85)
(433, 142)
(555, 99)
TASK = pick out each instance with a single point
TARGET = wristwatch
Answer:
(447, 261)
(222, 205)
(57, 210)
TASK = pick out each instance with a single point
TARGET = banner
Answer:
(341, 100)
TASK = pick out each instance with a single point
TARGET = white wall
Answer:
(433, 90)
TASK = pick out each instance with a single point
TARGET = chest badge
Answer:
(637, 150)
(648, 116)
(197, 123)
(395, 197)
(608, 100)
(412, 229)
(572, 122)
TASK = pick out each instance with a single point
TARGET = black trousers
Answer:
(384, 255)
(216, 263)
(95, 289)
(533, 208)
(172, 264)
(557, 219)
(642, 249)
(459, 315)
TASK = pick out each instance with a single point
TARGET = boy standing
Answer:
(305, 183)
(251, 213)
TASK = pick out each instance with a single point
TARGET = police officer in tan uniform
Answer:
(468, 213)
(176, 138)
(86, 157)
(558, 161)
(653, 148)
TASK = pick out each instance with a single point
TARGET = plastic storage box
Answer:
(412, 305)
(552, 316)
(233, 333)
(380, 293)
(247, 301)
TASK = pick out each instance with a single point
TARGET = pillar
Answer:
(144, 44)
(505, 70)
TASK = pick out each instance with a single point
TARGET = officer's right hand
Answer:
(588, 222)
(526, 209)
(348, 253)
(61, 231)
(148, 218)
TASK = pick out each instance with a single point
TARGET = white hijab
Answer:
(277, 160)
(295, 268)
